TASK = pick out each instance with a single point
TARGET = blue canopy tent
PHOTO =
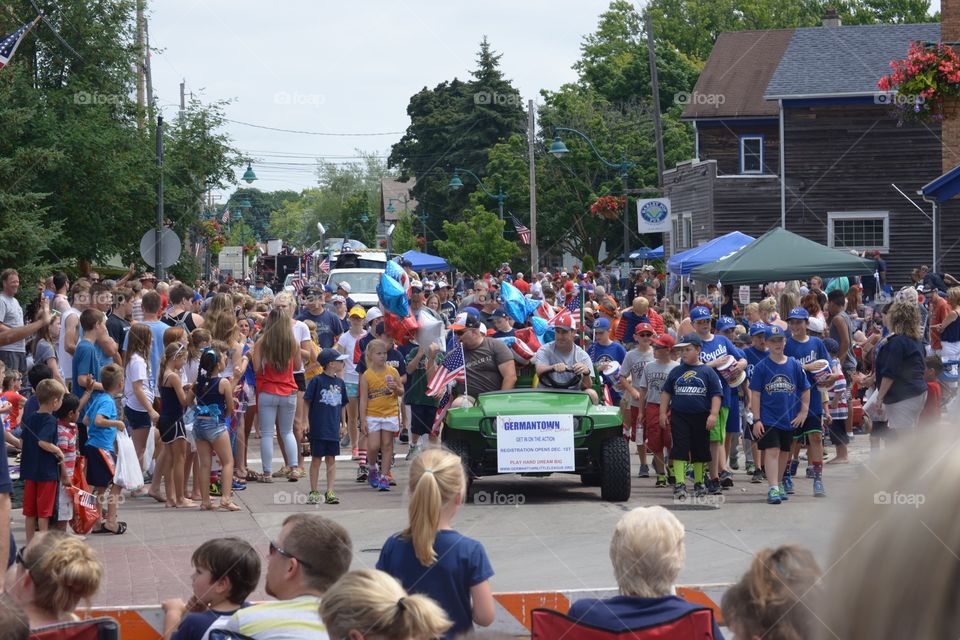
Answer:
(425, 262)
(686, 261)
(648, 254)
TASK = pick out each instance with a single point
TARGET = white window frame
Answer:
(860, 215)
(743, 169)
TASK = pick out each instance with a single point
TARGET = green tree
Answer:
(405, 235)
(476, 244)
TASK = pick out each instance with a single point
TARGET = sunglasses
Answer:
(644, 335)
(275, 548)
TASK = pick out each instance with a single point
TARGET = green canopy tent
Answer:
(781, 255)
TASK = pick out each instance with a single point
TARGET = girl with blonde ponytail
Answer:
(429, 557)
(54, 574)
(370, 605)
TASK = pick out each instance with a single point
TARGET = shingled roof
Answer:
(843, 61)
(736, 74)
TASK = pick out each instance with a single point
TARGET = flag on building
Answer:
(522, 231)
(10, 42)
(226, 216)
(452, 369)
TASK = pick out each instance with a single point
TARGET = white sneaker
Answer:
(412, 453)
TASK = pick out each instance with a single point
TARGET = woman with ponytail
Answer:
(370, 605)
(429, 557)
(54, 574)
(214, 404)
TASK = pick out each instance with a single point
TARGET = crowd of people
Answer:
(195, 374)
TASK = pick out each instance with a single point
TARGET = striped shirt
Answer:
(838, 390)
(294, 619)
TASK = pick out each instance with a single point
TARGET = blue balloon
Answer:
(513, 301)
(539, 325)
(392, 296)
(394, 270)
(532, 305)
(548, 336)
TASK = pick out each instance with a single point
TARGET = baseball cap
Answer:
(699, 313)
(327, 288)
(832, 345)
(564, 322)
(344, 285)
(601, 324)
(773, 332)
(817, 325)
(758, 328)
(416, 284)
(725, 322)
(148, 276)
(691, 339)
(500, 312)
(644, 327)
(337, 298)
(798, 313)
(358, 311)
(468, 319)
(665, 341)
(331, 355)
(373, 314)
(442, 284)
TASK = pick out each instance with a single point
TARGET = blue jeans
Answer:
(274, 411)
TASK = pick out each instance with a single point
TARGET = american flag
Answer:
(522, 231)
(574, 303)
(297, 282)
(226, 216)
(325, 265)
(10, 42)
(452, 369)
(442, 407)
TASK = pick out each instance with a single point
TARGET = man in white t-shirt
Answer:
(14, 354)
(562, 361)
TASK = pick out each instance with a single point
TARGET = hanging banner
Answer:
(653, 215)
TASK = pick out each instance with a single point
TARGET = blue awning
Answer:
(425, 261)
(686, 261)
(944, 187)
(647, 254)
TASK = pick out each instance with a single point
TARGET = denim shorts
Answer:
(207, 428)
(353, 389)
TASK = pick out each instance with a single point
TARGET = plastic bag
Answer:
(148, 451)
(128, 474)
(86, 510)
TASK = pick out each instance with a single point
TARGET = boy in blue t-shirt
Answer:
(812, 355)
(780, 395)
(693, 394)
(40, 465)
(102, 426)
(326, 397)
(756, 352)
(89, 358)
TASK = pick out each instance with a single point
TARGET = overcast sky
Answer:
(347, 67)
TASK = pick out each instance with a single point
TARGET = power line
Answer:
(315, 133)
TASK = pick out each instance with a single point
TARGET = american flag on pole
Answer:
(226, 216)
(442, 407)
(452, 369)
(522, 231)
(10, 42)
(298, 283)
(325, 265)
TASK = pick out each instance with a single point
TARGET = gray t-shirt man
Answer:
(483, 366)
(633, 365)
(11, 314)
(549, 354)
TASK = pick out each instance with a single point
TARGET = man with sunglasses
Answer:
(489, 362)
(309, 554)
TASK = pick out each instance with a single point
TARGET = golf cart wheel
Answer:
(590, 479)
(615, 470)
(461, 448)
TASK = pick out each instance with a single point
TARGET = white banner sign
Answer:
(745, 294)
(527, 444)
(653, 216)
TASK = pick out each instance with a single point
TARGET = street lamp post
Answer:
(558, 149)
(390, 231)
(244, 204)
(424, 216)
(499, 196)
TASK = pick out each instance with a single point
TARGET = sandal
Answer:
(265, 477)
(251, 475)
(121, 529)
(229, 506)
(207, 507)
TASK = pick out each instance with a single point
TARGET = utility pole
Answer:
(147, 73)
(141, 59)
(655, 88)
(158, 253)
(183, 101)
(531, 140)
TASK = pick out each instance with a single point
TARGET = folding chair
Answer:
(547, 624)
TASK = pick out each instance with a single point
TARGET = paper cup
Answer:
(734, 379)
(822, 373)
(611, 373)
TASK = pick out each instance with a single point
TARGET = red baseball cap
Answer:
(564, 321)
(644, 326)
(666, 341)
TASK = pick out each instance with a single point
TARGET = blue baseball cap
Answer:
(832, 345)
(327, 288)
(758, 328)
(773, 331)
(601, 324)
(500, 312)
(691, 339)
(725, 322)
(699, 313)
(798, 313)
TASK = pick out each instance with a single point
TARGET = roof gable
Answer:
(736, 73)
(838, 61)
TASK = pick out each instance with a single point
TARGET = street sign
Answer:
(170, 248)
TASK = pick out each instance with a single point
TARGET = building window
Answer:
(751, 154)
(860, 230)
(683, 231)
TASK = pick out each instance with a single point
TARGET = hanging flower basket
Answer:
(421, 242)
(609, 207)
(924, 86)
(383, 243)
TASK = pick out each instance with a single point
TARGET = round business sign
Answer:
(170, 247)
(654, 212)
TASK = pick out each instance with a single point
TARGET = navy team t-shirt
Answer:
(195, 625)
(692, 389)
(461, 564)
(326, 396)
(810, 350)
(780, 387)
